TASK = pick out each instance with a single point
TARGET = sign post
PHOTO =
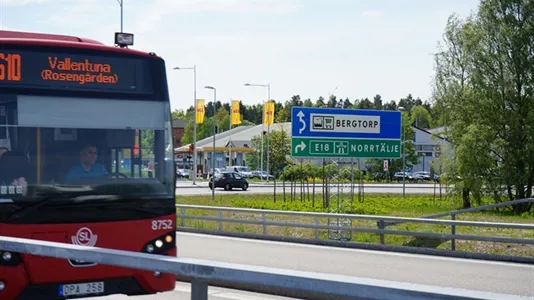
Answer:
(345, 133)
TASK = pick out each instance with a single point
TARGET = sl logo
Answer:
(84, 237)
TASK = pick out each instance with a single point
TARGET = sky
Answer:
(311, 48)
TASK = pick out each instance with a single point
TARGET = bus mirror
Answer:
(124, 39)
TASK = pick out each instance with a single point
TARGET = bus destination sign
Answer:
(61, 71)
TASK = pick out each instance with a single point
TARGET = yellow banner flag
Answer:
(236, 114)
(200, 111)
(269, 113)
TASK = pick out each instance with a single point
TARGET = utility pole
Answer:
(121, 3)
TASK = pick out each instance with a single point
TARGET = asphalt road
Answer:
(183, 292)
(495, 277)
(201, 188)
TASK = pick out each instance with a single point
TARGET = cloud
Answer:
(158, 9)
(231, 6)
(26, 2)
(372, 14)
(147, 16)
(102, 18)
(82, 13)
(22, 2)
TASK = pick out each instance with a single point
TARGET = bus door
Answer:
(125, 154)
(128, 162)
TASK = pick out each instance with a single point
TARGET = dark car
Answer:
(228, 181)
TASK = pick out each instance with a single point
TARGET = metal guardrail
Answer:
(273, 281)
(453, 214)
(481, 208)
(346, 221)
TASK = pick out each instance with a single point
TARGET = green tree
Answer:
(320, 102)
(420, 117)
(178, 114)
(254, 159)
(147, 142)
(378, 102)
(223, 119)
(308, 103)
(188, 133)
(484, 85)
(283, 115)
(279, 151)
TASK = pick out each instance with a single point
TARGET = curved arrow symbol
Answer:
(301, 120)
(300, 147)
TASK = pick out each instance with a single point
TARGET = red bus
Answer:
(86, 157)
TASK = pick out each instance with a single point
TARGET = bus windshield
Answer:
(80, 146)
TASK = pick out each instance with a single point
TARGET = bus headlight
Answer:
(168, 239)
(161, 244)
(6, 256)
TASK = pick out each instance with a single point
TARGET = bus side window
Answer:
(14, 165)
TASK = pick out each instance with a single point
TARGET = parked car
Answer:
(228, 181)
(243, 171)
(263, 175)
(421, 176)
(399, 176)
(210, 171)
(256, 174)
(182, 173)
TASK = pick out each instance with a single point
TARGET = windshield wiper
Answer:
(44, 200)
(77, 200)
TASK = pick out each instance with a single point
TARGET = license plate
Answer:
(81, 288)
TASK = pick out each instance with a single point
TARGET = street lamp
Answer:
(121, 3)
(268, 86)
(214, 133)
(194, 68)
(403, 139)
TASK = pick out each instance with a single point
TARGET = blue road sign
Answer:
(345, 123)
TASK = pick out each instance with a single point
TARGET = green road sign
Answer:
(349, 148)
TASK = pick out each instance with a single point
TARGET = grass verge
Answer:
(371, 204)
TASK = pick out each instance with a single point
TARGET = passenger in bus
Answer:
(3, 150)
(87, 166)
(14, 171)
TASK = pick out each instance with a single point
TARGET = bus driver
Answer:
(87, 167)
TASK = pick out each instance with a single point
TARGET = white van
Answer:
(243, 171)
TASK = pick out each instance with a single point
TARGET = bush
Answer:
(311, 172)
(374, 204)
